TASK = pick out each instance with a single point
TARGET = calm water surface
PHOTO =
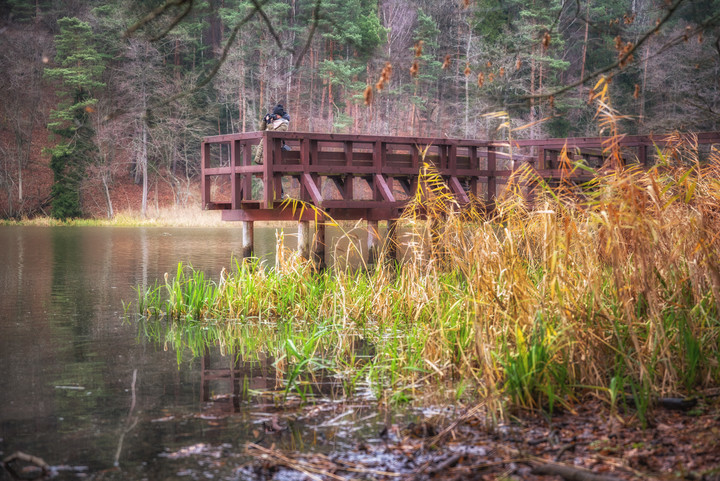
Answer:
(79, 389)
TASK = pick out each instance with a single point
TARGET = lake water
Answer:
(81, 390)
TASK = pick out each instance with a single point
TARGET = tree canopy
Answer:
(171, 71)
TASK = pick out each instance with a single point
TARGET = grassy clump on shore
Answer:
(611, 288)
(163, 217)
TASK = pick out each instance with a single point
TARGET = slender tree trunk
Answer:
(263, 70)
(20, 157)
(322, 99)
(331, 101)
(108, 200)
(177, 59)
(532, 92)
(311, 110)
(585, 41)
(412, 109)
(467, 89)
(641, 98)
(296, 105)
(144, 162)
(242, 104)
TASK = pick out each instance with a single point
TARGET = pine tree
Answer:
(79, 74)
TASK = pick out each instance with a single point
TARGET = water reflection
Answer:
(80, 389)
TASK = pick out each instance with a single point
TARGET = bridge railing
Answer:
(366, 176)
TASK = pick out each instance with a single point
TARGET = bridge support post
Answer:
(319, 248)
(304, 239)
(248, 246)
(391, 240)
(372, 241)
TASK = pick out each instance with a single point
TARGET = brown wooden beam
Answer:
(458, 190)
(383, 188)
(309, 183)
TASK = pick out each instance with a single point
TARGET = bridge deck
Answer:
(372, 177)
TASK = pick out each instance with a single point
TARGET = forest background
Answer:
(104, 103)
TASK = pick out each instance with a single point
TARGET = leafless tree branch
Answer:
(156, 12)
(267, 21)
(177, 20)
(620, 61)
(311, 34)
(209, 76)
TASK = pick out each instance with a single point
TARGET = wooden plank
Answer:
(208, 171)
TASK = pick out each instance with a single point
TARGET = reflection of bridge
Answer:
(372, 177)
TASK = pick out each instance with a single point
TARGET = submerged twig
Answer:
(130, 422)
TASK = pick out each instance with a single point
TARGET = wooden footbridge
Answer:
(368, 177)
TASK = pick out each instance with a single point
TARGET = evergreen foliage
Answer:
(79, 73)
(217, 67)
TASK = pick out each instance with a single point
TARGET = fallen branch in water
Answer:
(28, 458)
(327, 467)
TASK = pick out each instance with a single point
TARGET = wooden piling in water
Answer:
(392, 240)
(319, 248)
(304, 239)
(372, 241)
(248, 245)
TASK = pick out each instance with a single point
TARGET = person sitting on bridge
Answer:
(278, 119)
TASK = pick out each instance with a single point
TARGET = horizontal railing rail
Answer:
(368, 176)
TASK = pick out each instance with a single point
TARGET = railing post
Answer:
(474, 165)
(492, 179)
(642, 155)
(204, 181)
(247, 178)
(541, 163)
(268, 156)
(235, 186)
(452, 159)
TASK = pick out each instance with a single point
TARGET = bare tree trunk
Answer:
(467, 89)
(641, 98)
(263, 69)
(177, 59)
(532, 92)
(585, 41)
(144, 162)
(106, 189)
(311, 113)
(331, 101)
(242, 104)
(296, 105)
(20, 177)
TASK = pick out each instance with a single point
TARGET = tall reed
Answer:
(598, 287)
